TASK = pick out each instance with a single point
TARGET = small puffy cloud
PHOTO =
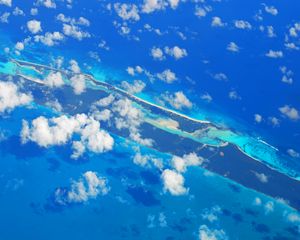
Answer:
(127, 11)
(178, 100)
(293, 153)
(271, 10)
(6, 2)
(287, 75)
(167, 76)
(211, 214)
(18, 12)
(59, 131)
(257, 201)
(80, 21)
(34, 26)
(233, 47)
(274, 54)
(292, 217)
(157, 53)
(173, 182)
(47, 3)
(89, 186)
(11, 97)
(129, 117)
(220, 76)
(290, 112)
(261, 177)
(206, 97)
(34, 11)
(211, 234)
(150, 6)
(274, 121)
(49, 39)
(176, 52)
(202, 11)
(258, 118)
(19, 46)
(241, 24)
(75, 32)
(78, 83)
(54, 79)
(4, 17)
(136, 87)
(187, 160)
(234, 95)
(270, 32)
(74, 67)
(269, 207)
(217, 22)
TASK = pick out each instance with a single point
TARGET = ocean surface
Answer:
(110, 170)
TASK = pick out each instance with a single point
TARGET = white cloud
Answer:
(187, 160)
(233, 47)
(106, 101)
(54, 104)
(136, 87)
(58, 131)
(19, 46)
(293, 217)
(75, 32)
(178, 100)
(220, 77)
(54, 79)
(167, 76)
(287, 75)
(80, 21)
(47, 3)
(176, 52)
(4, 17)
(173, 182)
(146, 160)
(261, 177)
(127, 11)
(74, 67)
(18, 12)
(153, 5)
(271, 10)
(211, 214)
(270, 32)
(290, 112)
(241, 24)
(78, 83)
(6, 2)
(89, 186)
(130, 117)
(202, 11)
(150, 6)
(274, 121)
(211, 234)
(34, 26)
(293, 153)
(217, 22)
(258, 118)
(49, 39)
(157, 53)
(206, 97)
(234, 95)
(11, 97)
(269, 207)
(274, 54)
(34, 11)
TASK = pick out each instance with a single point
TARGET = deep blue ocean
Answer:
(241, 84)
